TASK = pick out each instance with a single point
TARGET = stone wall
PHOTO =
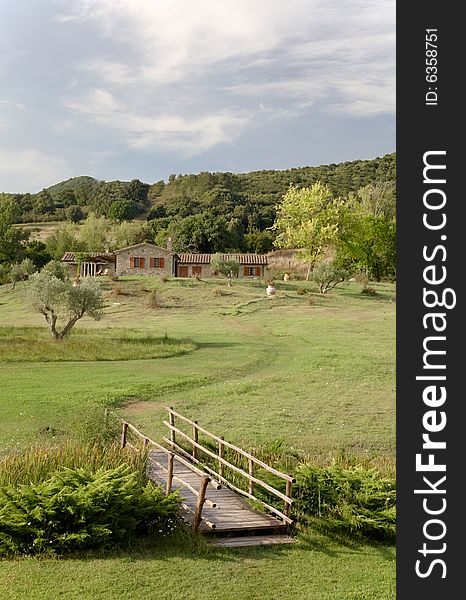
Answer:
(206, 271)
(146, 251)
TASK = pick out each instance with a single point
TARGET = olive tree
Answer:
(61, 300)
(328, 275)
(229, 268)
(21, 271)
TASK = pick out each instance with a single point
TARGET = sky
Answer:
(125, 89)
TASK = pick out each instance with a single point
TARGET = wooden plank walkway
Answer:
(231, 515)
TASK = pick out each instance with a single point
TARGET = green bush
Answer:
(76, 509)
(354, 500)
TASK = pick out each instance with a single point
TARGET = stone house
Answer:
(148, 259)
(145, 259)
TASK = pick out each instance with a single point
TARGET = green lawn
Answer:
(316, 372)
(321, 377)
(319, 571)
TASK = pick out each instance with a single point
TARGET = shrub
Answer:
(152, 301)
(218, 292)
(355, 500)
(117, 290)
(77, 509)
(164, 278)
(369, 291)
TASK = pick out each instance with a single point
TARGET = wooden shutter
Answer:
(161, 262)
(246, 272)
(151, 262)
(258, 270)
(141, 263)
(131, 262)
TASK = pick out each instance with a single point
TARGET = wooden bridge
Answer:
(212, 503)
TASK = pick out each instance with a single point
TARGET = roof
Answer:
(143, 244)
(243, 259)
(105, 256)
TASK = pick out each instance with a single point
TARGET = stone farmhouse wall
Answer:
(144, 259)
(192, 270)
(184, 269)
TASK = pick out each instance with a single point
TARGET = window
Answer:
(136, 262)
(156, 263)
(252, 271)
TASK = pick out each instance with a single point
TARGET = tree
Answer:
(378, 199)
(62, 239)
(58, 299)
(43, 203)
(328, 275)
(94, 234)
(137, 192)
(307, 219)
(258, 242)
(11, 239)
(370, 245)
(74, 213)
(229, 268)
(57, 269)
(37, 252)
(21, 271)
(123, 210)
(128, 233)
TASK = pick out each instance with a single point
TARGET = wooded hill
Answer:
(249, 198)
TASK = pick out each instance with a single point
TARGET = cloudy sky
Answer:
(123, 89)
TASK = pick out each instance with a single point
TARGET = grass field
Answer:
(314, 372)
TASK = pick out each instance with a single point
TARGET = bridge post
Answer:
(287, 506)
(221, 454)
(251, 474)
(200, 502)
(171, 419)
(195, 438)
(123, 434)
(169, 473)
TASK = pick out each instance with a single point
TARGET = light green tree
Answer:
(128, 233)
(62, 239)
(308, 221)
(94, 233)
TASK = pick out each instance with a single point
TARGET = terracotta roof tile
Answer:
(243, 259)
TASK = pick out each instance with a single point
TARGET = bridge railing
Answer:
(219, 457)
(205, 480)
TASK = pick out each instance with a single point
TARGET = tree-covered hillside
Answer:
(250, 197)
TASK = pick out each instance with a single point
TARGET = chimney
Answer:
(170, 244)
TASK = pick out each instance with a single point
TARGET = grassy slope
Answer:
(319, 376)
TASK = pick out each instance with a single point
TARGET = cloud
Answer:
(173, 132)
(186, 76)
(159, 82)
(33, 169)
